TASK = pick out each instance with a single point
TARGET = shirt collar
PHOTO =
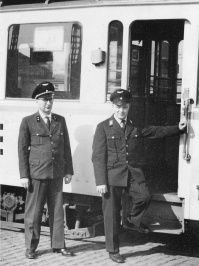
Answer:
(43, 116)
(119, 120)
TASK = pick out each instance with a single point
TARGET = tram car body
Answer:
(87, 49)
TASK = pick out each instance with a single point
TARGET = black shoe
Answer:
(116, 257)
(141, 229)
(30, 254)
(63, 251)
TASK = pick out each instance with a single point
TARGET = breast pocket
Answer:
(58, 137)
(114, 142)
(38, 139)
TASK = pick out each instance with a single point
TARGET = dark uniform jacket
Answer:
(115, 152)
(44, 154)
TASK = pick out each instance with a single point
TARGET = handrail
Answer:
(187, 114)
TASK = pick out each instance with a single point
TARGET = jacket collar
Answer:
(116, 127)
(42, 124)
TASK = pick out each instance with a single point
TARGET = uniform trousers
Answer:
(112, 206)
(39, 191)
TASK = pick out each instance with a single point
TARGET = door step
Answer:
(165, 214)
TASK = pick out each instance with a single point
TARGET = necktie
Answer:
(48, 122)
(123, 125)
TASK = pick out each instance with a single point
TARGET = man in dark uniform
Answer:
(116, 169)
(44, 160)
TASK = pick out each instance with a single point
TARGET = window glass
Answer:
(135, 66)
(166, 77)
(161, 82)
(44, 52)
(114, 56)
(179, 72)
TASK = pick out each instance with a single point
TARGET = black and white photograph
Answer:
(99, 132)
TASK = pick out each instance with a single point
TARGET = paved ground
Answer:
(138, 249)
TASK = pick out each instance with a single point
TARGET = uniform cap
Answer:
(43, 89)
(121, 96)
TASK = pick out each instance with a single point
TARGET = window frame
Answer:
(12, 93)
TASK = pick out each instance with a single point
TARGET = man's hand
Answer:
(67, 178)
(182, 124)
(25, 182)
(102, 189)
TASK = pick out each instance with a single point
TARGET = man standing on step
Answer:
(117, 170)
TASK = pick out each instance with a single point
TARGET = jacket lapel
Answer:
(129, 127)
(115, 125)
(54, 123)
(40, 124)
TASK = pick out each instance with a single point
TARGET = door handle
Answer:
(187, 114)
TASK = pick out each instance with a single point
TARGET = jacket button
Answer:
(51, 142)
(127, 161)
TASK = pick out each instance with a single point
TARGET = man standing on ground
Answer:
(117, 170)
(44, 160)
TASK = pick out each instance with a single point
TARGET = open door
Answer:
(188, 176)
(155, 81)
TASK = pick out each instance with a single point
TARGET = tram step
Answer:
(165, 214)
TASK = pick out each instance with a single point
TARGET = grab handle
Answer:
(187, 114)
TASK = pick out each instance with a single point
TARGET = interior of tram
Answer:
(155, 80)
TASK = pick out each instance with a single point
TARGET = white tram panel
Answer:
(194, 192)
(81, 120)
(95, 22)
(82, 117)
(188, 177)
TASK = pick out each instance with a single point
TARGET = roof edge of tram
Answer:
(26, 4)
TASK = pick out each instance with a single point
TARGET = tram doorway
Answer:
(155, 78)
(155, 81)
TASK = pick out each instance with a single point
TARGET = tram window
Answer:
(135, 66)
(44, 52)
(160, 80)
(156, 60)
(166, 75)
(179, 72)
(115, 43)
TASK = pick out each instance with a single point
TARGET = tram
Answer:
(87, 49)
